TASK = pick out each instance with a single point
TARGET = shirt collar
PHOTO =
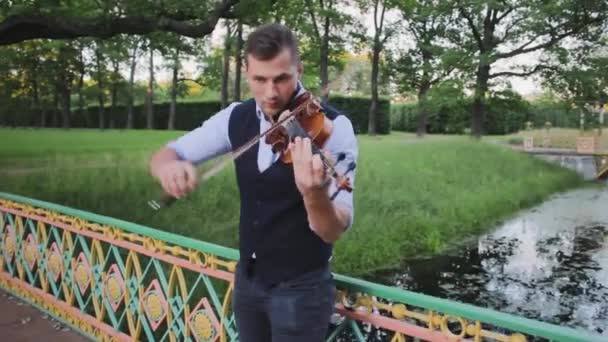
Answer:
(299, 91)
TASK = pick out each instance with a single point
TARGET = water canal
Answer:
(548, 263)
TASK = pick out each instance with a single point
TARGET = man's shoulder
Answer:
(241, 106)
(338, 117)
(331, 112)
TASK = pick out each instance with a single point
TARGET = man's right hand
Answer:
(177, 177)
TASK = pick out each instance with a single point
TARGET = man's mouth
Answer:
(272, 104)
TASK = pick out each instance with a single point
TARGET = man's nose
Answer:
(271, 90)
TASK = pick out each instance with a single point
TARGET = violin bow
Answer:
(166, 200)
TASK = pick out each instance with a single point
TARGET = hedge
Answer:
(189, 115)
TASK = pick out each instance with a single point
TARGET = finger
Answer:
(175, 187)
(296, 156)
(306, 157)
(192, 180)
(306, 150)
(283, 114)
(318, 170)
(171, 186)
(297, 147)
(181, 181)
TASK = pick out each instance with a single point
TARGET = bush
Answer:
(517, 141)
(505, 113)
(357, 110)
(404, 117)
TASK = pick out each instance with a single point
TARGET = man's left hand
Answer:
(309, 172)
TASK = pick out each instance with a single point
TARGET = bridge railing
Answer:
(118, 281)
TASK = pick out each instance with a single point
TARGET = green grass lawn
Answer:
(413, 196)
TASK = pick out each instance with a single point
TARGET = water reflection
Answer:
(548, 263)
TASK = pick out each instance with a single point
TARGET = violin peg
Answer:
(351, 166)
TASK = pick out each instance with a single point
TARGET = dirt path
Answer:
(21, 322)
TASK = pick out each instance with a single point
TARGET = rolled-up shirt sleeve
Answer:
(207, 141)
(343, 140)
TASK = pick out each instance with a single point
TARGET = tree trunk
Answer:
(55, 122)
(422, 110)
(324, 61)
(36, 95)
(102, 110)
(150, 94)
(423, 88)
(172, 109)
(371, 128)
(131, 85)
(482, 75)
(100, 95)
(481, 88)
(226, 67)
(238, 54)
(65, 105)
(114, 94)
(43, 116)
(81, 110)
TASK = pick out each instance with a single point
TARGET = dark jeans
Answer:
(295, 310)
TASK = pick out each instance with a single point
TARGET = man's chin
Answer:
(272, 111)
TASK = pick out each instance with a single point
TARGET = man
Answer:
(288, 223)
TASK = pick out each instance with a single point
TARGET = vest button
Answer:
(256, 222)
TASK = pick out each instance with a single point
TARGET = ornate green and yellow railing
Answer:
(117, 281)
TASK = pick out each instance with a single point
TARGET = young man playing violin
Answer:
(284, 289)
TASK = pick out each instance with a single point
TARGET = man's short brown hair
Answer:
(267, 41)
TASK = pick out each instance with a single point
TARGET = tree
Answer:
(100, 78)
(150, 90)
(226, 64)
(117, 52)
(238, 56)
(24, 20)
(499, 30)
(381, 33)
(81, 45)
(320, 26)
(430, 60)
(178, 48)
(134, 44)
(64, 67)
(322, 9)
(580, 75)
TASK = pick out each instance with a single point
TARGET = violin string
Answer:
(238, 152)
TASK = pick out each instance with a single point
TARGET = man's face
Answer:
(272, 82)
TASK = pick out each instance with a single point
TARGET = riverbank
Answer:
(413, 197)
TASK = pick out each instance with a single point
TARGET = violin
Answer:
(304, 118)
(307, 120)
